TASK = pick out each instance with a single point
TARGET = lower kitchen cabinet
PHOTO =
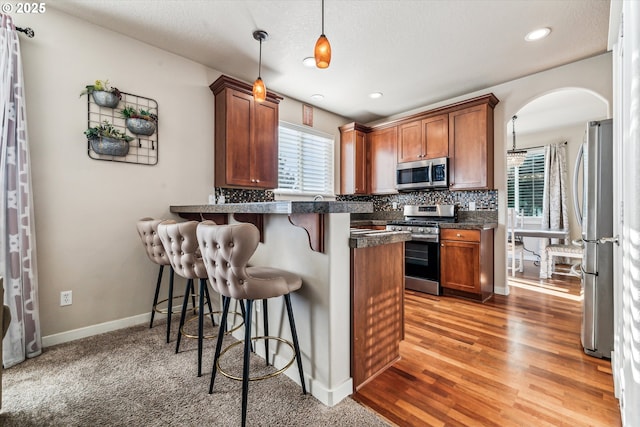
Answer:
(466, 263)
(377, 309)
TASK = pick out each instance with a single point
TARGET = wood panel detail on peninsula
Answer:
(377, 306)
(307, 215)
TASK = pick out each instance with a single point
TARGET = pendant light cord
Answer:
(260, 61)
(323, 17)
(513, 128)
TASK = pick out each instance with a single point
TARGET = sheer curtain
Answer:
(17, 230)
(554, 202)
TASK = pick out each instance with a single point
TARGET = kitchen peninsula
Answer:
(311, 239)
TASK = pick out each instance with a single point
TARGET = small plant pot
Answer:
(141, 126)
(105, 99)
(110, 146)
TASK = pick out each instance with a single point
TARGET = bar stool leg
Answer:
(208, 296)
(265, 317)
(170, 304)
(245, 366)
(223, 326)
(294, 334)
(203, 285)
(155, 296)
(185, 302)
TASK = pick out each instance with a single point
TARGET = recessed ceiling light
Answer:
(375, 95)
(309, 61)
(538, 34)
(317, 96)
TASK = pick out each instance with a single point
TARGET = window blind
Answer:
(305, 160)
(525, 184)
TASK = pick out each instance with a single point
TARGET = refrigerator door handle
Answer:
(614, 239)
(576, 177)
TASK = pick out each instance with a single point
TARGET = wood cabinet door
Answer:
(238, 138)
(471, 148)
(410, 142)
(435, 135)
(460, 265)
(383, 148)
(264, 149)
(353, 162)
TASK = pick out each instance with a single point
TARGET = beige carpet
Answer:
(132, 377)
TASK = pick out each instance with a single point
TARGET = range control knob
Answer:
(420, 230)
(409, 229)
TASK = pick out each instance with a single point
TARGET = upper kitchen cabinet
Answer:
(471, 145)
(246, 136)
(424, 139)
(353, 159)
(383, 148)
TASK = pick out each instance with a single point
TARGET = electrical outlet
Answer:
(65, 298)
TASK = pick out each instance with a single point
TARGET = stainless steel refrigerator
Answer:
(596, 219)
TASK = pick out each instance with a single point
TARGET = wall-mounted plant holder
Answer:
(143, 149)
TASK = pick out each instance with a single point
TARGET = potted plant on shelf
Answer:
(139, 122)
(103, 94)
(106, 139)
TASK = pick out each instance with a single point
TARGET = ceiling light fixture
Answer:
(317, 96)
(515, 157)
(259, 90)
(538, 34)
(375, 95)
(309, 61)
(322, 51)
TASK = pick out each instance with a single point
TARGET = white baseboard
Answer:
(100, 328)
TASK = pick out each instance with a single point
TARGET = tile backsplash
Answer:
(485, 200)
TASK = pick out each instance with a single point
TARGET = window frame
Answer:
(516, 184)
(330, 174)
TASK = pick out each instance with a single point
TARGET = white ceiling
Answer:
(416, 52)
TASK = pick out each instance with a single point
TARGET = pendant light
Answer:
(322, 52)
(515, 157)
(259, 90)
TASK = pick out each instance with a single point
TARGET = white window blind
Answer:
(305, 160)
(525, 184)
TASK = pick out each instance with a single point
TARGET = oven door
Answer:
(422, 264)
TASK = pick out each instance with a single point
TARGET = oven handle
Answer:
(425, 238)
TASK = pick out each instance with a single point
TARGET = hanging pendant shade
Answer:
(259, 89)
(322, 51)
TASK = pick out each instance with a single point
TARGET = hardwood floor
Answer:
(513, 361)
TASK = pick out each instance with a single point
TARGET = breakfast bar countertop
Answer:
(279, 207)
(363, 238)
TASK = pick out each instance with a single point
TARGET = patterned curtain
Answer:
(554, 202)
(17, 229)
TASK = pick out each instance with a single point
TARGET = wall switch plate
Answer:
(472, 206)
(394, 205)
(65, 298)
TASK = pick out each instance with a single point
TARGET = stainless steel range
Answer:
(422, 252)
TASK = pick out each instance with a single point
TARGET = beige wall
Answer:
(86, 209)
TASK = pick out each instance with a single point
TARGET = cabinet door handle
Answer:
(458, 235)
(442, 244)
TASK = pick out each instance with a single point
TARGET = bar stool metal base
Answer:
(261, 377)
(208, 337)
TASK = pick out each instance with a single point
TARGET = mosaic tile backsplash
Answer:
(486, 200)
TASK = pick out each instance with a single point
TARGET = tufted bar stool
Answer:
(147, 230)
(181, 245)
(226, 250)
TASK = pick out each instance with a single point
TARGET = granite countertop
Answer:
(361, 238)
(470, 225)
(365, 222)
(280, 207)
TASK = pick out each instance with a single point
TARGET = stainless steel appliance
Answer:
(422, 174)
(422, 252)
(596, 219)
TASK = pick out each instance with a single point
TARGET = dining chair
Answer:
(515, 248)
(226, 250)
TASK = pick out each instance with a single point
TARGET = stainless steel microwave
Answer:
(423, 174)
